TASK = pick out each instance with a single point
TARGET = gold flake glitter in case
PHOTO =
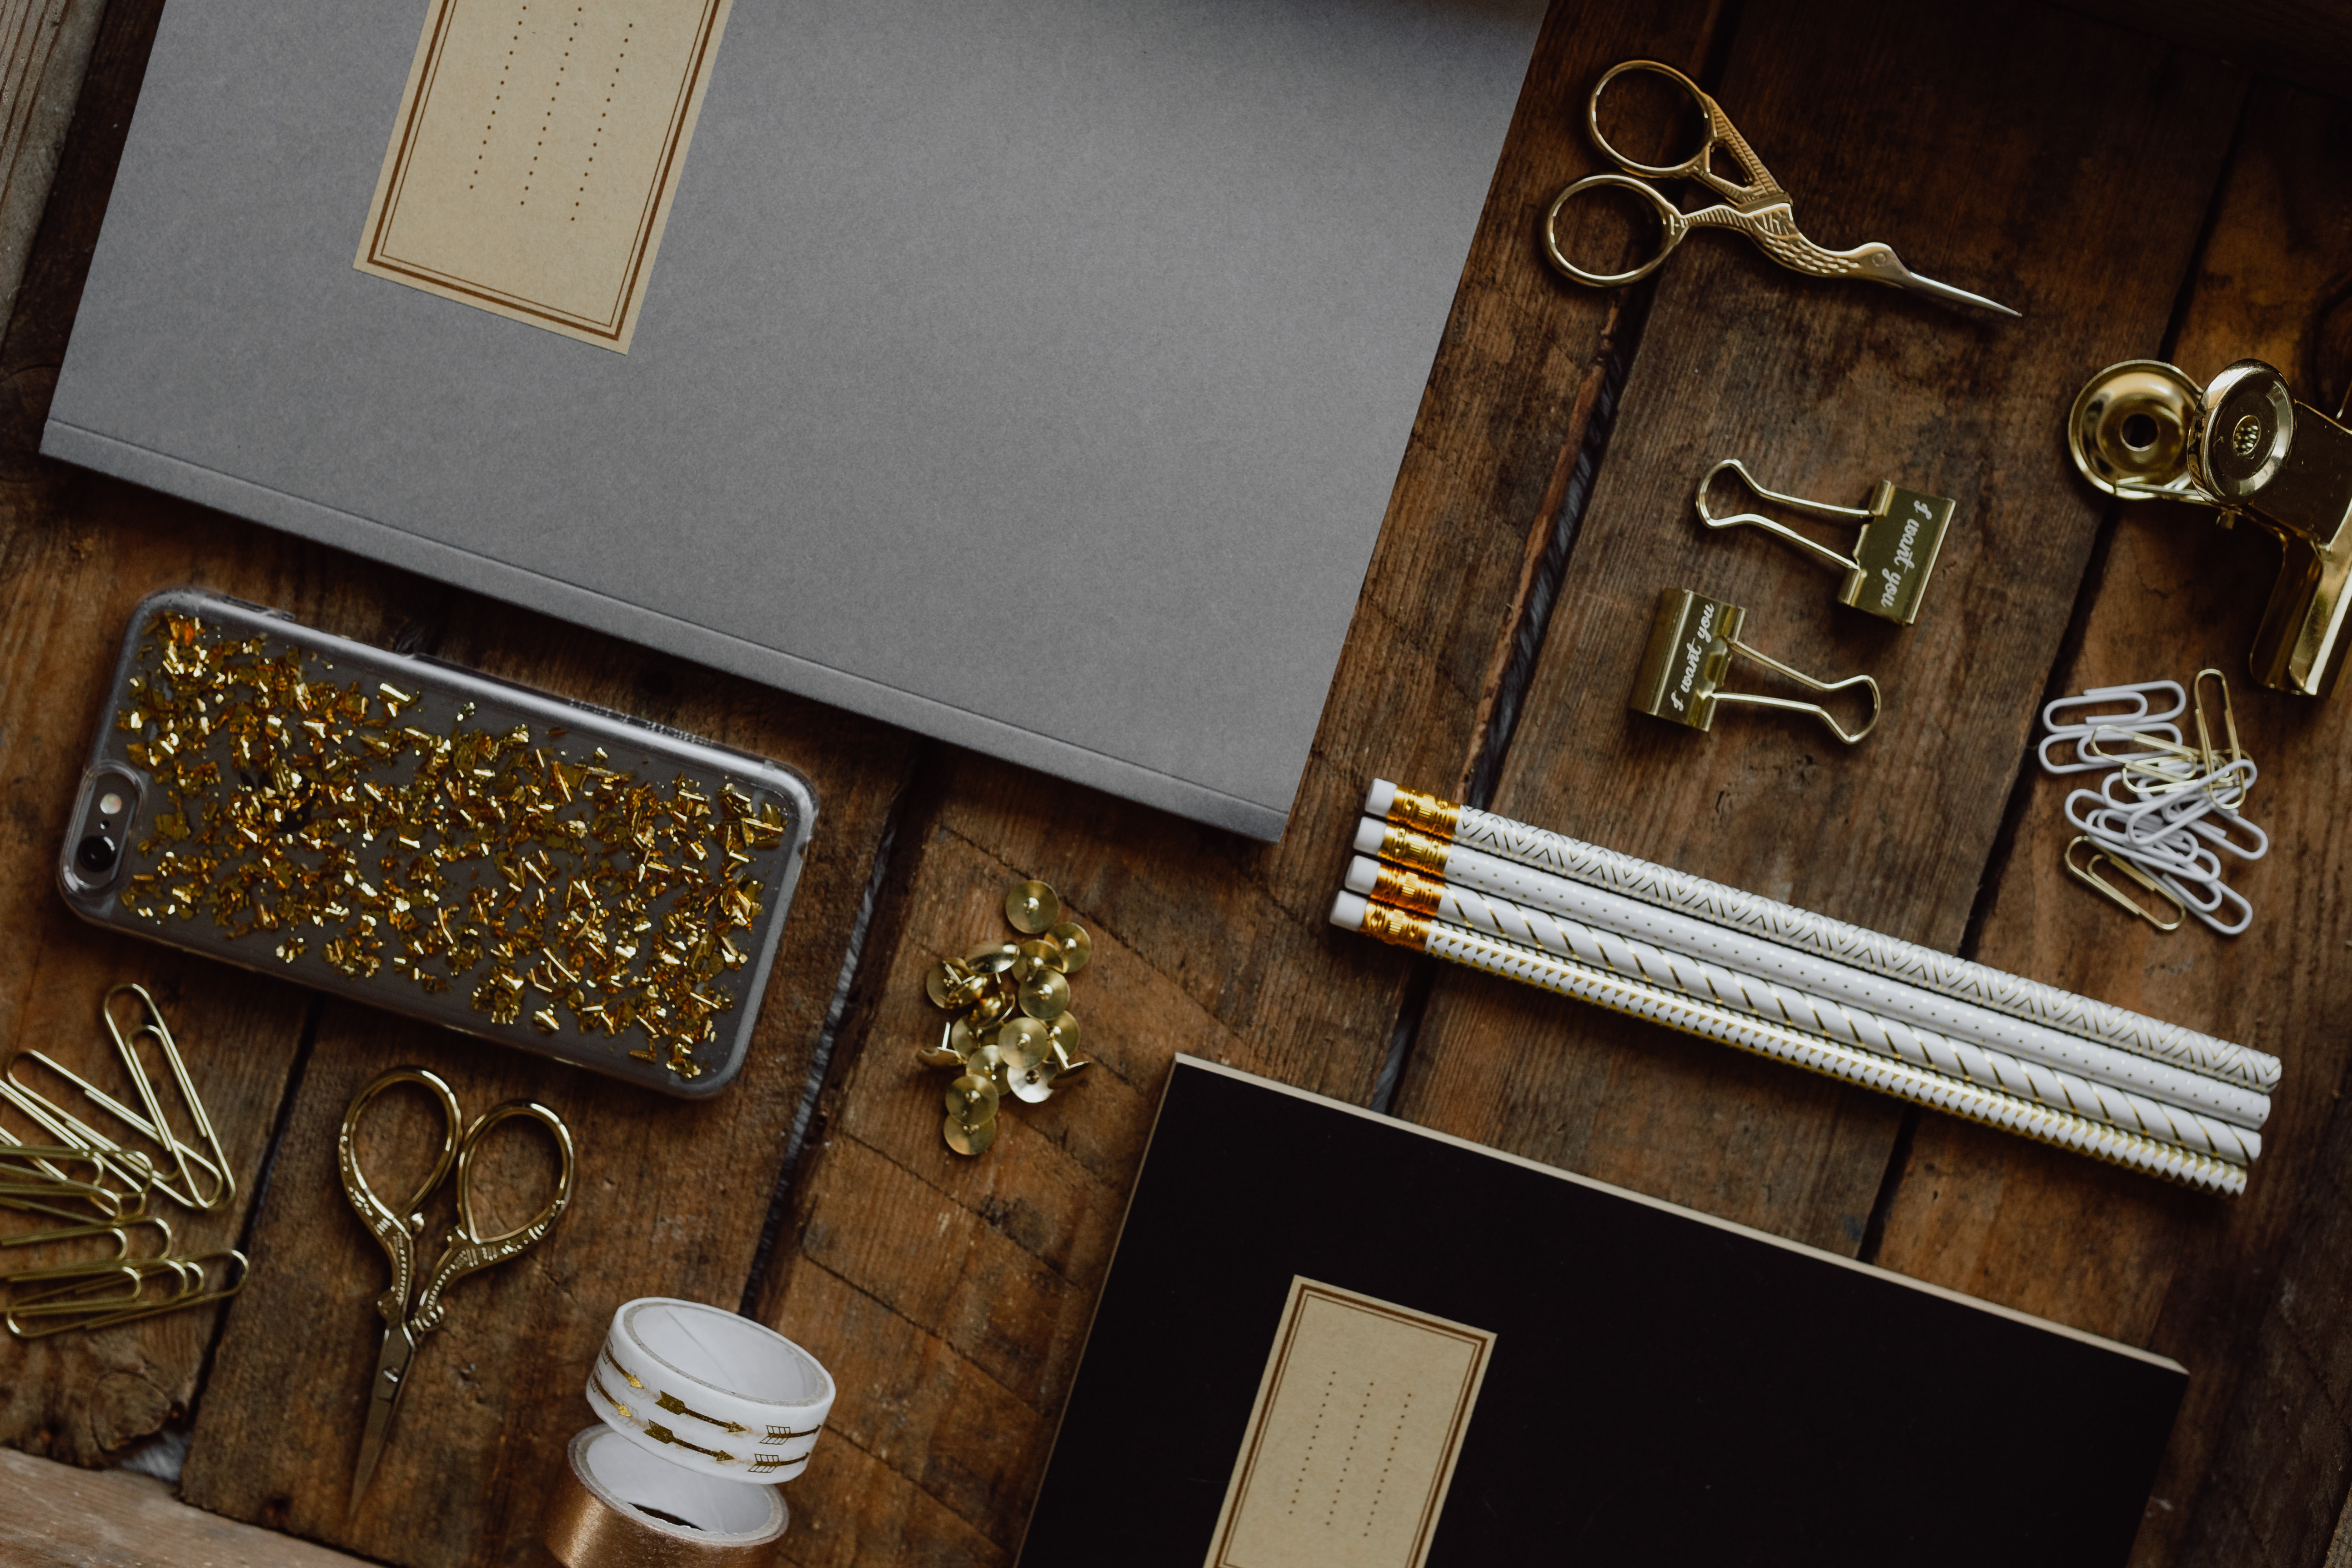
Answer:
(424, 838)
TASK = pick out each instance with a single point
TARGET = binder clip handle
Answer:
(1692, 642)
(1822, 552)
(1794, 705)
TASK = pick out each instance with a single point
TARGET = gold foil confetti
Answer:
(996, 1049)
(544, 885)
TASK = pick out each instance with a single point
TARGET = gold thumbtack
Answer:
(1691, 644)
(997, 1051)
(1902, 530)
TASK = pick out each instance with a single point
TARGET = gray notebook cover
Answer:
(1033, 376)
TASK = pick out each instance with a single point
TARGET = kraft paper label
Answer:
(536, 152)
(1352, 1442)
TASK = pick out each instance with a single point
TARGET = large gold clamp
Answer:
(2143, 429)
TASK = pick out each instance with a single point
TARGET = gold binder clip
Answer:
(2244, 446)
(1895, 553)
(1691, 644)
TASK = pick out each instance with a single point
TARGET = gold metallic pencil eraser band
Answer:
(1399, 927)
(1427, 813)
(1417, 852)
(1402, 889)
(1395, 885)
(1430, 814)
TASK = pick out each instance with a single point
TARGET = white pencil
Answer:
(1600, 949)
(1714, 1021)
(1980, 985)
(1747, 953)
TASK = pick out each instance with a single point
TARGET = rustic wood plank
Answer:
(2308, 42)
(45, 50)
(1824, 388)
(977, 1277)
(2254, 1473)
(58, 1517)
(75, 553)
(670, 1200)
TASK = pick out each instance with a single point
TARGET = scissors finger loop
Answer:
(355, 1184)
(469, 1250)
(1670, 221)
(532, 1229)
(1694, 164)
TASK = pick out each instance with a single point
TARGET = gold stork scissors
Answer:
(1760, 209)
(468, 1248)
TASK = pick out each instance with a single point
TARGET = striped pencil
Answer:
(1452, 826)
(1714, 1021)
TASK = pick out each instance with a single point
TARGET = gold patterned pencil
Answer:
(1714, 1021)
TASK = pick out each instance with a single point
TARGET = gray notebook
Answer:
(1032, 375)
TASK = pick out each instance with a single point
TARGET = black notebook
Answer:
(1333, 1339)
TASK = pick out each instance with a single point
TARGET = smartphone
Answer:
(419, 837)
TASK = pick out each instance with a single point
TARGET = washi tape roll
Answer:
(615, 1506)
(707, 1389)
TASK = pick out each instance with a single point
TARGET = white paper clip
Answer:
(2137, 713)
(2167, 811)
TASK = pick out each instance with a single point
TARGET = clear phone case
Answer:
(438, 842)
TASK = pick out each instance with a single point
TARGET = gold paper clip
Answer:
(132, 1169)
(1902, 532)
(219, 1186)
(120, 1231)
(2088, 873)
(2213, 763)
(1691, 644)
(191, 1273)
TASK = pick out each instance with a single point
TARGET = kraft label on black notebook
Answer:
(1351, 1444)
(535, 154)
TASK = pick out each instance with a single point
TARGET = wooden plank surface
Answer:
(953, 1295)
(1825, 388)
(45, 50)
(2260, 1471)
(58, 1517)
(76, 553)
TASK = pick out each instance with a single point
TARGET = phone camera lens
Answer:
(96, 854)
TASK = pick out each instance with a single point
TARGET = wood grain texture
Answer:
(2308, 42)
(2258, 1458)
(76, 553)
(58, 1517)
(1825, 388)
(951, 1297)
(670, 1199)
(45, 50)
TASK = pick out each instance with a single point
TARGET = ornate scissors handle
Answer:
(396, 1232)
(1760, 189)
(468, 1249)
(1757, 208)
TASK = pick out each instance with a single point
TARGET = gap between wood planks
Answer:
(1551, 541)
(2021, 787)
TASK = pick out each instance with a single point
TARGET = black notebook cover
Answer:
(1660, 1387)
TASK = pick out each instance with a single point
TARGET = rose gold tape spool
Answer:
(615, 1506)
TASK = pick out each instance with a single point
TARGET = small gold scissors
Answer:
(468, 1248)
(1760, 209)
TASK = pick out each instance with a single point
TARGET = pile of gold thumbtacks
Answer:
(1012, 1030)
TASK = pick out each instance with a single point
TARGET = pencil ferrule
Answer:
(1413, 850)
(1427, 813)
(1399, 927)
(1406, 890)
